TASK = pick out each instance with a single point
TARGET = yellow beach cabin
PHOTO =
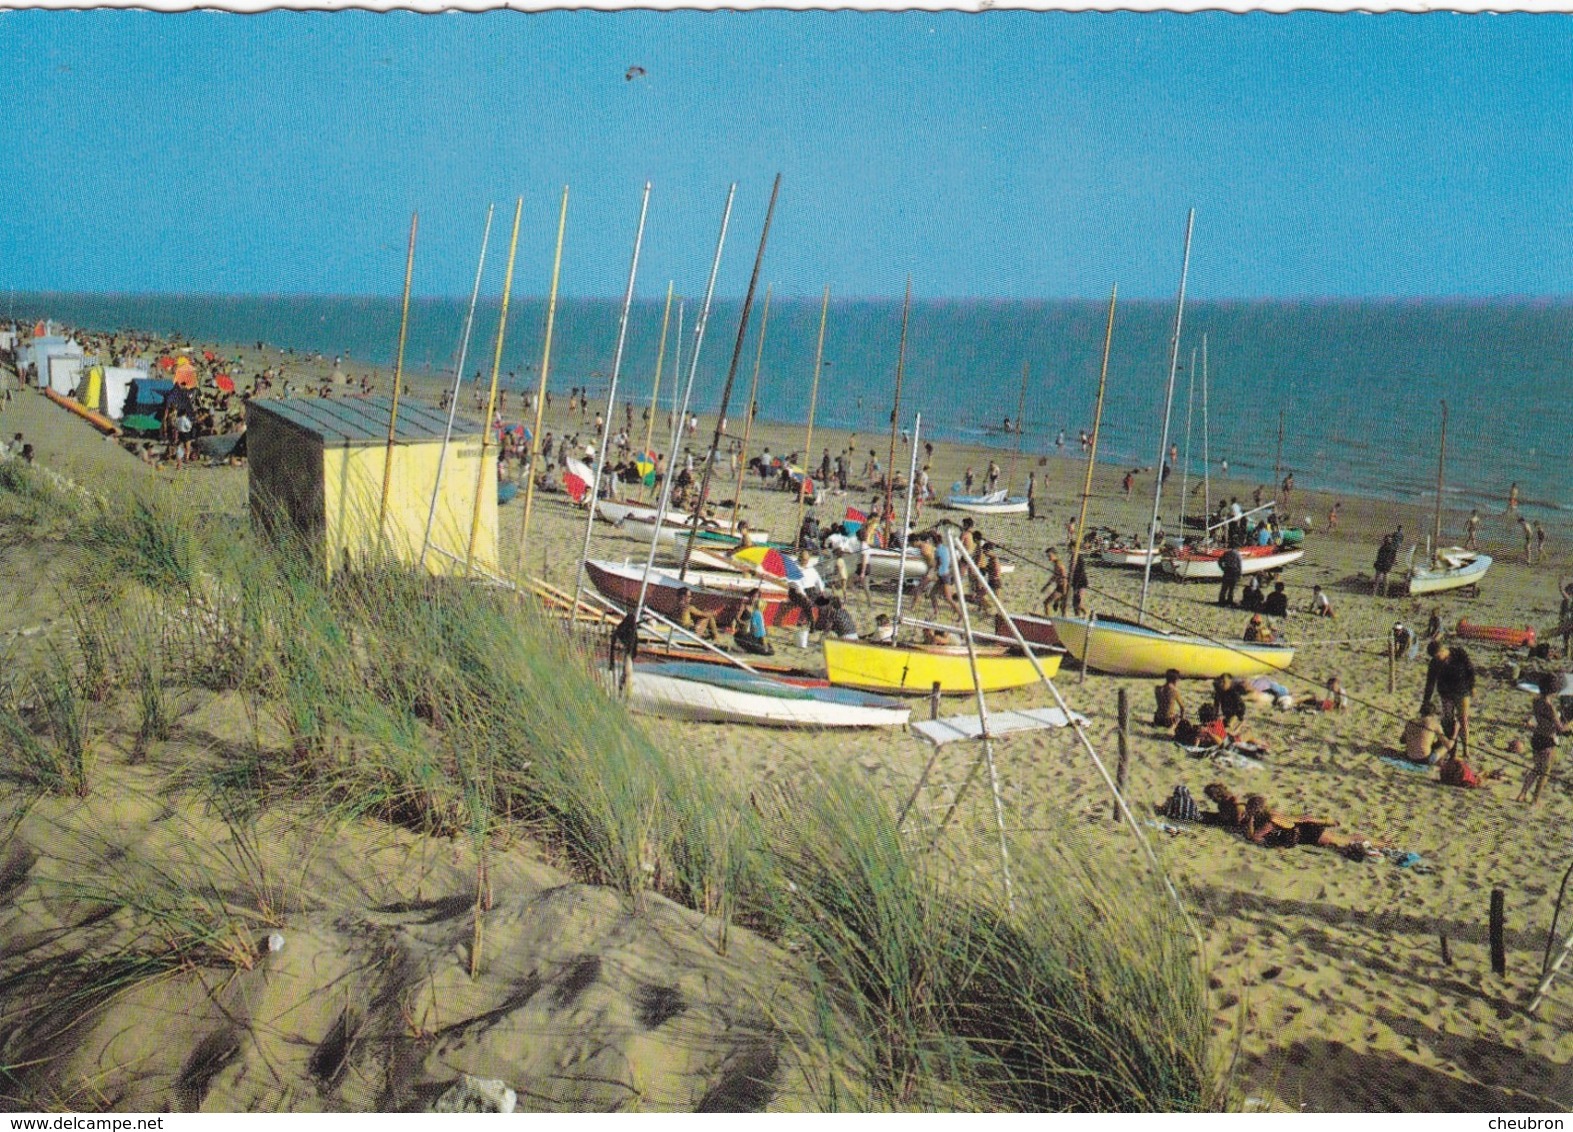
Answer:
(317, 466)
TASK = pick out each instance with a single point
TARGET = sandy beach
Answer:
(1326, 974)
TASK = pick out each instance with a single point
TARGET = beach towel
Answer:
(1404, 764)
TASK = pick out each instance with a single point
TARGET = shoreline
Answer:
(1351, 467)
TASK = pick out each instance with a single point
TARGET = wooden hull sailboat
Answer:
(716, 694)
(1127, 649)
(914, 670)
(620, 582)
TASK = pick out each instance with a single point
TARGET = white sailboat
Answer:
(1448, 568)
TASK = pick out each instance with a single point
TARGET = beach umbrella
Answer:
(185, 374)
(771, 561)
(577, 479)
(644, 464)
(166, 363)
(140, 422)
(225, 383)
(854, 520)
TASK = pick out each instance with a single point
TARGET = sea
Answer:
(1354, 388)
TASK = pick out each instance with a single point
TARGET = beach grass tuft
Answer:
(456, 710)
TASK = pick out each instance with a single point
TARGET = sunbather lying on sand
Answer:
(1259, 825)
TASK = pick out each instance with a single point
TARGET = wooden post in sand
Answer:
(1498, 932)
(1124, 717)
(1392, 663)
(1447, 951)
(934, 701)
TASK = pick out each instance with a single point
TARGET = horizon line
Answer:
(1503, 299)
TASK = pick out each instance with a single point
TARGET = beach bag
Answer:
(1181, 806)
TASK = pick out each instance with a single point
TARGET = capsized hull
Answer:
(710, 693)
(915, 671)
(1124, 649)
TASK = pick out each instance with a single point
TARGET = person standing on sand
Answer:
(1565, 619)
(1512, 499)
(1032, 496)
(1451, 676)
(1549, 726)
(1472, 529)
(1332, 517)
(1529, 540)
(1233, 567)
(1286, 490)
(1129, 482)
(1386, 559)
(1540, 541)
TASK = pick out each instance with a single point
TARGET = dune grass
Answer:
(455, 710)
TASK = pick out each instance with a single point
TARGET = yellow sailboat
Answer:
(1135, 650)
(915, 669)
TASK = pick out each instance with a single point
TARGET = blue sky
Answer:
(1010, 155)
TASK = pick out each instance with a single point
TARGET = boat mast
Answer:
(895, 412)
(491, 398)
(753, 407)
(731, 376)
(1207, 473)
(660, 356)
(1092, 455)
(1021, 410)
(458, 379)
(1185, 470)
(906, 522)
(536, 451)
(813, 400)
(1278, 463)
(398, 374)
(611, 394)
(1441, 458)
(688, 388)
(1163, 444)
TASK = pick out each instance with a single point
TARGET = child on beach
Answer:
(1170, 708)
(1320, 606)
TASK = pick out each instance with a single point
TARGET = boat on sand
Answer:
(717, 694)
(915, 669)
(1127, 649)
(1191, 565)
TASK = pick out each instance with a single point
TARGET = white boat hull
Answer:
(1470, 569)
(1204, 569)
(673, 697)
(620, 512)
(988, 504)
(1133, 558)
(678, 533)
